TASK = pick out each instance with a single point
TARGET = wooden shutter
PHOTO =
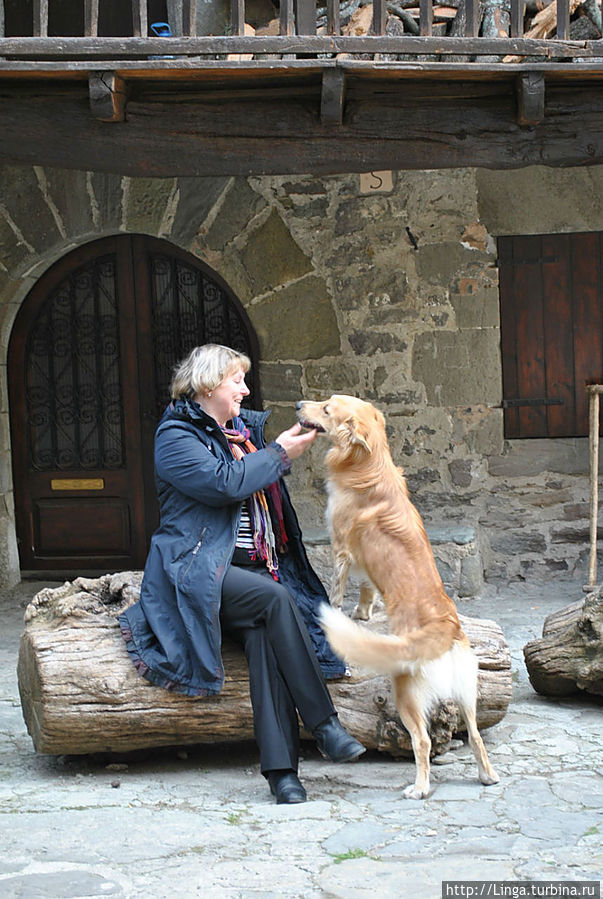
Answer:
(551, 296)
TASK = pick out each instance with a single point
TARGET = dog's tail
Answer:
(382, 653)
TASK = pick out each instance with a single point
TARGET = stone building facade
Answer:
(391, 296)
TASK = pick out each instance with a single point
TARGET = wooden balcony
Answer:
(350, 79)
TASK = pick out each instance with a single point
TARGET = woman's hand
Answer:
(296, 441)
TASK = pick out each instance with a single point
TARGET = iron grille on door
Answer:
(73, 393)
(189, 309)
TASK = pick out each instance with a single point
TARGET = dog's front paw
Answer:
(414, 792)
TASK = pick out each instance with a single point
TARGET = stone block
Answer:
(146, 200)
(528, 458)
(196, 198)
(457, 367)
(21, 195)
(272, 257)
(439, 263)
(334, 376)
(460, 472)
(14, 253)
(280, 382)
(107, 190)
(518, 542)
(297, 322)
(477, 309)
(68, 190)
(561, 200)
(239, 205)
(368, 343)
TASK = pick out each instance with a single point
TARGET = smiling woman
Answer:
(228, 557)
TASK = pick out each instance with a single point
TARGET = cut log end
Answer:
(81, 694)
(568, 658)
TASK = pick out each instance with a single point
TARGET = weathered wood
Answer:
(91, 8)
(40, 18)
(569, 657)
(140, 47)
(108, 96)
(530, 98)
(332, 97)
(140, 21)
(441, 124)
(80, 692)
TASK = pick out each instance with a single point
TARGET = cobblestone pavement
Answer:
(201, 822)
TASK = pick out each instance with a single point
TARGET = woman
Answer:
(228, 556)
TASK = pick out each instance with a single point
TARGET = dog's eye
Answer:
(325, 408)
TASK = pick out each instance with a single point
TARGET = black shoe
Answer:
(285, 785)
(335, 743)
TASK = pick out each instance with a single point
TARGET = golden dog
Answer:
(375, 527)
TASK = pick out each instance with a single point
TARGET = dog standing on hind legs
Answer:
(375, 527)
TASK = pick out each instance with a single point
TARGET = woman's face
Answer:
(225, 400)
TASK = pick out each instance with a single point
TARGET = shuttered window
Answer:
(551, 297)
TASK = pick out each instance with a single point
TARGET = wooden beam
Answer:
(332, 97)
(168, 135)
(530, 98)
(2, 20)
(36, 49)
(108, 94)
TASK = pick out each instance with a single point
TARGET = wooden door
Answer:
(551, 295)
(90, 362)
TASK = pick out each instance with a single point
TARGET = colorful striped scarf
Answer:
(265, 506)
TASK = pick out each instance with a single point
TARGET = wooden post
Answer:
(426, 17)
(1, 18)
(333, 19)
(140, 21)
(40, 18)
(594, 391)
(563, 19)
(91, 18)
(517, 14)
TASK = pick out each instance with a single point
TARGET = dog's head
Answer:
(348, 422)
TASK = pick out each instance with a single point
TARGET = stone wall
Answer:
(392, 297)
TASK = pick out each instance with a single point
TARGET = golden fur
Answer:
(375, 527)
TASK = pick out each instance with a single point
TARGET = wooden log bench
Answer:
(81, 694)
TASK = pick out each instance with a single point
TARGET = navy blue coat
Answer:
(173, 632)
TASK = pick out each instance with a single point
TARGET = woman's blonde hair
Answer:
(205, 367)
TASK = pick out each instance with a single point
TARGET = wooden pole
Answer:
(595, 391)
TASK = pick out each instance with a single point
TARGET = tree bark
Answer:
(569, 656)
(80, 692)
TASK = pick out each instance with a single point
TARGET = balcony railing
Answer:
(385, 31)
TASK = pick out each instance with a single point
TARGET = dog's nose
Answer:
(298, 405)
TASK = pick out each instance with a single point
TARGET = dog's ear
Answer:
(358, 433)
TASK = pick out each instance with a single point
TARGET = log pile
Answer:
(80, 692)
(540, 19)
(569, 657)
